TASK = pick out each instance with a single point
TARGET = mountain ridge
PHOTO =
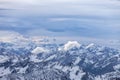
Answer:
(78, 62)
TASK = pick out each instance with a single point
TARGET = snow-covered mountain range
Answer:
(41, 60)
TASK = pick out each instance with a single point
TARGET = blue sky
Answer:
(72, 18)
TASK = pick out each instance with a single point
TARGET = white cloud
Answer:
(39, 50)
(99, 8)
(11, 36)
(59, 19)
(7, 33)
(102, 7)
(97, 14)
(71, 44)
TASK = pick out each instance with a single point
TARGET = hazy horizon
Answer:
(61, 18)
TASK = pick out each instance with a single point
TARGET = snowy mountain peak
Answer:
(70, 61)
(3, 59)
(90, 45)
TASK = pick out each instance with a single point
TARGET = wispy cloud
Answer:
(89, 18)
